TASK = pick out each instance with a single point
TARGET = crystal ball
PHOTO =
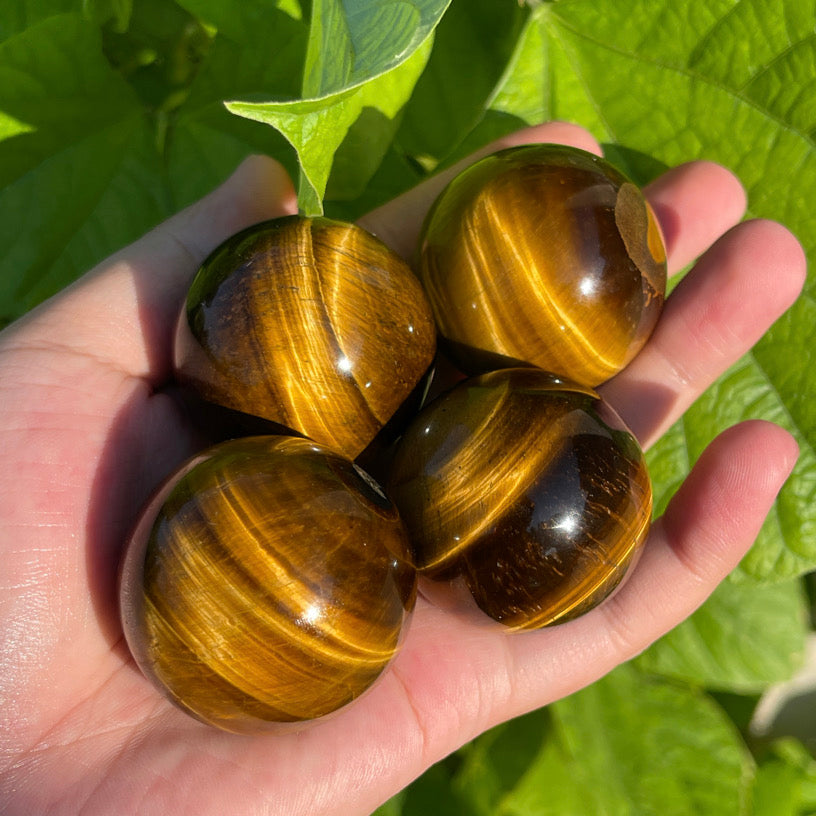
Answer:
(524, 491)
(267, 584)
(310, 323)
(543, 255)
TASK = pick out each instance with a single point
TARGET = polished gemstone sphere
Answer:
(527, 489)
(543, 255)
(310, 323)
(268, 582)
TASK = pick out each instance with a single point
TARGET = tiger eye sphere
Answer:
(311, 323)
(268, 582)
(526, 488)
(543, 255)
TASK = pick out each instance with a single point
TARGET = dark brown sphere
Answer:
(268, 582)
(527, 488)
(310, 323)
(543, 255)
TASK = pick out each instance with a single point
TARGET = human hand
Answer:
(91, 422)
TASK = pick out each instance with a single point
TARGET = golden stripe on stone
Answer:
(267, 583)
(310, 323)
(528, 489)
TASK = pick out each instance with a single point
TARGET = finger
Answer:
(398, 223)
(123, 313)
(708, 526)
(695, 203)
(714, 316)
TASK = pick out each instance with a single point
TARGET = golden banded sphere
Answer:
(267, 583)
(543, 255)
(310, 323)
(527, 490)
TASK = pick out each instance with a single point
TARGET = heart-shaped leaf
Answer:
(363, 56)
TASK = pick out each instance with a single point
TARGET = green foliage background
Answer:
(113, 116)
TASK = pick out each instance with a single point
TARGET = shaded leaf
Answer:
(81, 177)
(496, 763)
(245, 22)
(785, 783)
(394, 175)
(117, 12)
(472, 46)
(432, 793)
(18, 15)
(206, 141)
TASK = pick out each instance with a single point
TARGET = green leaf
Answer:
(363, 59)
(741, 639)
(18, 15)
(432, 793)
(158, 55)
(360, 154)
(524, 88)
(547, 787)
(627, 745)
(116, 11)
(247, 21)
(777, 790)
(472, 46)
(496, 764)
(639, 745)
(733, 52)
(787, 545)
(317, 127)
(393, 807)
(394, 175)
(354, 41)
(785, 782)
(80, 177)
(49, 98)
(206, 142)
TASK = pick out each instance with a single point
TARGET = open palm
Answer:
(90, 423)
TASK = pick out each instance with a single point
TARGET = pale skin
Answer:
(90, 424)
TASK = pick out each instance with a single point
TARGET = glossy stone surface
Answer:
(528, 489)
(545, 255)
(268, 582)
(310, 323)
